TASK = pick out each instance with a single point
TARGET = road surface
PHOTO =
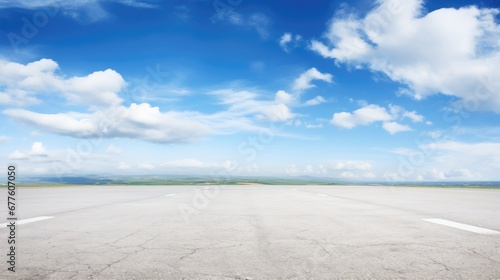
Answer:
(253, 232)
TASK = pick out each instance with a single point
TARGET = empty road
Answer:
(253, 232)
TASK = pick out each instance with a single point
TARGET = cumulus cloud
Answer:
(288, 40)
(244, 103)
(473, 156)
(448, 160)
(447, 51)
(21, 85)
(285, 39)
(139, 121)
(37, 150)
(350, 169)
(399, 111)
(284, 97)
(394, 127)
(315, 101)
(190, 163)
(352, 165)
(278, 113)
(105, 116)
(363, 116)
(374, 113)
(303, 82)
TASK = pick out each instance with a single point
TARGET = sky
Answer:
(388, 90)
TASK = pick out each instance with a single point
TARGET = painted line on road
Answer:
(172, 194)
(320, 194)
(470, 228)
(27, 221)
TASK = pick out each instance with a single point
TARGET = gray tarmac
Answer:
(252, 232)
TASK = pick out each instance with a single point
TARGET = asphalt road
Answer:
(253, 232)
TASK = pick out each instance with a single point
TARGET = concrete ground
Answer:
(253, 232)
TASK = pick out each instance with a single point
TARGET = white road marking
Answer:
(27, 221)
(470, 228)
(320, 194)
(172, 194)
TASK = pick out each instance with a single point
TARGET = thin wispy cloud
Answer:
(84, 10)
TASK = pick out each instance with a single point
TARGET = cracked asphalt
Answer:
(253, 232)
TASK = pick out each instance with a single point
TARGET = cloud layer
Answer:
(447, 51)
(374, 113)
(105, 116)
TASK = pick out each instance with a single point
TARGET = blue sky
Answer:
(389, 91)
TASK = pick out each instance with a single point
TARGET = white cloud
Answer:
(472, 156)
(278, 113)
(398, 111)
(459, 173)
(352, 165)
(284, 97)
(260, 23)
(338, 169)
(449, 160)
(37, 150)
(17, 155)
(314, 125)
(105, 116)
(146, 166)
(394, 39)
(36, 134)
(394, 127)
(434, 174)
(244, 103)
(87, 10)
(309, 169)
(373, 113)
(303, 82)
(123, 166)
(348, 175)
(292, 169)
(413, 116)
(24, 83)
(257, 21)
(186, 163)
(287, 38)
(363, 116)
(97, 89)
(112, 149)
(315, 101)
(4, 138)
(139, 121)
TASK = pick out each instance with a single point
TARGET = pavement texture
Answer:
(253, 232)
